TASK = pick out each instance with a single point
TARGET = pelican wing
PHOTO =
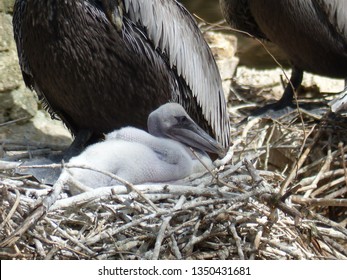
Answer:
(19, 8)
(176, 35)
(239, 15)
(335, 12)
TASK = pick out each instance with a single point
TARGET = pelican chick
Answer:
(162, 155)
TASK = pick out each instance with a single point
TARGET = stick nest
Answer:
(282, 196)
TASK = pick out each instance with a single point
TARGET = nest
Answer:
(279, 194)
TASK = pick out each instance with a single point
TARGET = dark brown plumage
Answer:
(102, 65)
(313, 33)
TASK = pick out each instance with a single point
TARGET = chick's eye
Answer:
(181, 119)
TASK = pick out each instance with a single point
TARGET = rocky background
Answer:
(21, 118)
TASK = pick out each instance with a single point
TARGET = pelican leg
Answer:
(79, 143)
(285, 105)
(293, 85)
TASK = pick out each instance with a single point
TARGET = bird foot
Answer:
(43, 169)
(279, 110)
(274, 110)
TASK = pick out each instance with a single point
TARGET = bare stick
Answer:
(12, 211)
(8, 165)
(237, 241)
(164, 225)
(37, 214)
(324, 202)
(300, 162)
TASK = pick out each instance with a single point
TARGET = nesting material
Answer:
(280, 194)
(248, 209)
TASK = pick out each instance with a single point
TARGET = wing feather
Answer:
(335, 12)
(175, 33)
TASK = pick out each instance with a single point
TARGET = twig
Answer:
(196, 239)
(343, 162)
(15, 121)
(288, 250)
(164, 225)
(253, 172)
(323, 202)
(327, 186)
(113, 231)
(174, 247)
(326, 221)
(300, 162)
(275, 201)
(12, 211)
(324, 168)
(72, 239)
(37, 214)
(160, 189)
(8, 165)
(337, 193)
(237, 239)
(336, 246)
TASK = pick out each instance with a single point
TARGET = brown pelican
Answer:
(99, 65)
(313, 34)
(162, 155)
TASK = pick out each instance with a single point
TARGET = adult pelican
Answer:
(313, 34)
(99, 65)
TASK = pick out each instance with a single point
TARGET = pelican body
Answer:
(313, 33)
(102, 65)
(162, 155)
